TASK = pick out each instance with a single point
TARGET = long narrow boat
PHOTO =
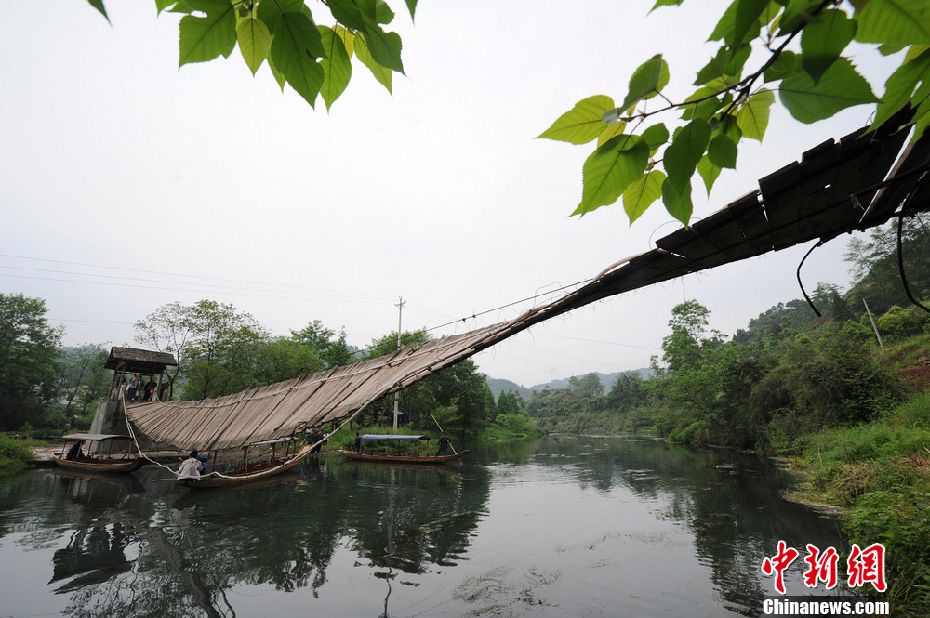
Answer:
(78, 460)
(407, 459)
(398, 457)
(249, 474)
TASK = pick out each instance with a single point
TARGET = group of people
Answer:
(138, 390)
(314, 435)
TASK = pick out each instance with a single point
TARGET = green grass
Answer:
(15, 454)
(881, 473)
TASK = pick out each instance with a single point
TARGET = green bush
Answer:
(15, 454)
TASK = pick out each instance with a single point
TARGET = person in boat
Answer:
(444, 442)
(358, 443)
(74, 453)
(190, 467)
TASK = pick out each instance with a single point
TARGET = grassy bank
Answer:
(880, 473)
(15, 454)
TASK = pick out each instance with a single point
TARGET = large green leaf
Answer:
(206, 38)
(822, 42)
(347, 13)
(753, 117)
(900, 22)
(840, 87)
(295, 47)
(747, 15)
(647, 81)
(678, 201)
(384, 47)
(709, 172)
(254, 42)
(681, 157)
(722, 152)
(337, 66)
(641, 193)
(656, 136)
(613, 130)
(901, 85)
(383, 75)
(610, 169)
(582, 123)
(271, 12)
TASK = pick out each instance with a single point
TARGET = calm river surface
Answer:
(561, 527)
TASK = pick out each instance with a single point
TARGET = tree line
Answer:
(221, 350)
(795, 369)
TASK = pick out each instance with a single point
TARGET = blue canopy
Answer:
(369, 436)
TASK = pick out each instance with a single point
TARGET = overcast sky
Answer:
(127, 184)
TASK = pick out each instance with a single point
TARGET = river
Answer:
(561, 527)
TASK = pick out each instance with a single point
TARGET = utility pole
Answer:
(872, 320)
(400, 314)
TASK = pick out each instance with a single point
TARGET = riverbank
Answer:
(15, 454)
(878, 477)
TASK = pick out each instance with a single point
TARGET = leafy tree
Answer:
(82, 378)
(333, 353)
(790, 47)
(683, 346)
(28, 350)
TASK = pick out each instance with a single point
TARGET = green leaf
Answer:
(678, 202)
(921, 120)
(612, 131)
(723, 65)
(641, 193)
(348, 39)
(254, 42)
(901, 85)
(271, 12)
(98, 4)
(753, 117)
(823, 42)
(582, 123)
(205, 38)
(412, 7)
(384, 47)
(787, 63)
(655, 136)
(727, 22)
(709, 172)
(899, 22)
(840, 87)
(747, 16)
(610, 169)
(647, 81)
(347, 13)
(682, 155)
(383, 75)
(295, 40)
(722, 152)
(337, 66)
(666, 3)
(797, 14)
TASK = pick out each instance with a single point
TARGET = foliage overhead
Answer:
(315, 59)
(796, 49)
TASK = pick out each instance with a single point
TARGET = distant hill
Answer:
(499, 385)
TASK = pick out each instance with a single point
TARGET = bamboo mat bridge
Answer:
(856, 183)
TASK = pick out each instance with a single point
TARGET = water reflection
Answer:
(335, 536)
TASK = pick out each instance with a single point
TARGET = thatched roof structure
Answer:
(854, 184)
(137, 360)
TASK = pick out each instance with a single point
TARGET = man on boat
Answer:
(190, 467)
(358, 443)
(443, 444)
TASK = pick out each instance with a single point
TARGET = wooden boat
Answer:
(404, 459)
(78, 460)
(250, 473)
(398, 457)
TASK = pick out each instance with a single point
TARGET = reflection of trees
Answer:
(135, 553)
(737, 516)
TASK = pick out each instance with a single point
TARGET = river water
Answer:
(562, 527)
